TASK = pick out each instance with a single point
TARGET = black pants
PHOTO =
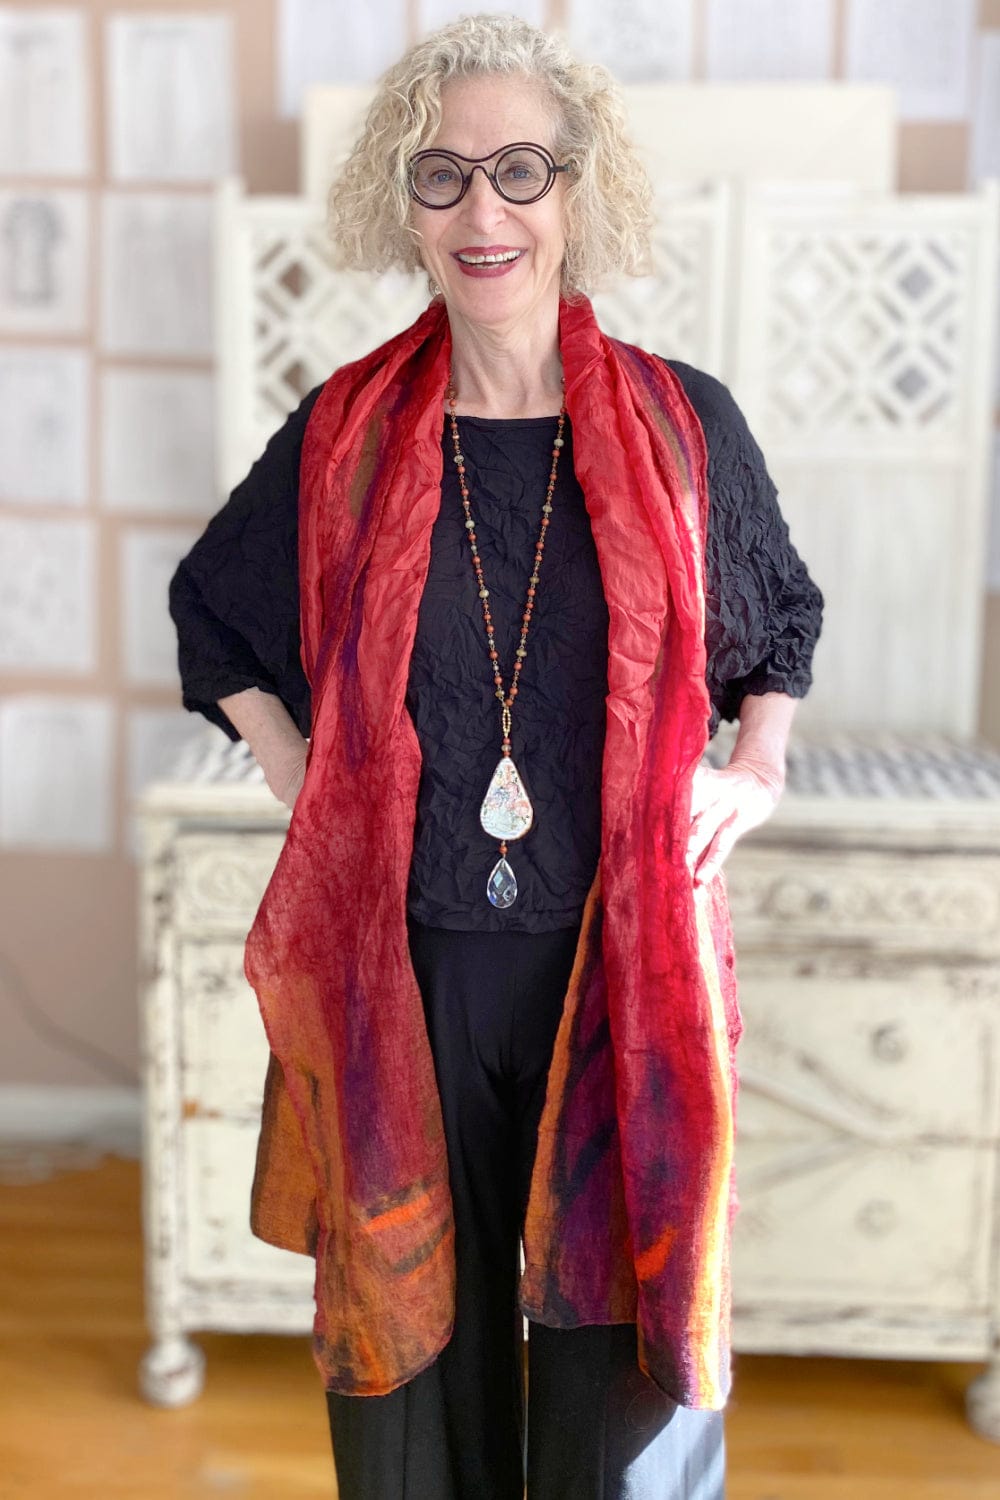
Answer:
(597, 1428)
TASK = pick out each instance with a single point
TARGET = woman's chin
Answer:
(491, 302)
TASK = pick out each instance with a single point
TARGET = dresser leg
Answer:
(982, 1402)
(172, 1372)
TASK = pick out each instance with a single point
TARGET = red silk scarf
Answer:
(631, 1202)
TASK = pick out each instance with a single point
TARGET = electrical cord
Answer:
(56, 1035)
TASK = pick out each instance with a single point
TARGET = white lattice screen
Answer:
(860, 316)
(863, 359)
(680, 311)
(286, 319)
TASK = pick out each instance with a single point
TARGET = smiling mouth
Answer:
(503, 258)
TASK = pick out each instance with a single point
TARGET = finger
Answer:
(715, 852)
(709, 813)
(706, 825)
(703, 827)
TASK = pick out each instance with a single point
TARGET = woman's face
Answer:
(478, 116)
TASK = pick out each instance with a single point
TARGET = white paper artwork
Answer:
(769, 40)
(162, 745)
(156, 274)
(922, 47)
(43, 261)
(44, 97)
(157, 442)
(56, 784)
(44, 425)
(171, 113)
(148, 560)
(326, 41)
(434, 13)
(638, 40)
(47, 595)
(985, 152)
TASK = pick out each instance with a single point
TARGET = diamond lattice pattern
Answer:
(866, 331)
(308, 318)
(665, 312)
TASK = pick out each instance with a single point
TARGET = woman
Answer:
(526, 569)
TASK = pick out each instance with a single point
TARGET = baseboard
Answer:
(101, 1119)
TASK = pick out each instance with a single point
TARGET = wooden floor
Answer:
(72, 1423)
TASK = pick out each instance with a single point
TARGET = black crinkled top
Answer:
(235, 602)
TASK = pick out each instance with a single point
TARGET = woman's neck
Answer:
(506, 373)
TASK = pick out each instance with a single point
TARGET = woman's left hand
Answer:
(724, 805)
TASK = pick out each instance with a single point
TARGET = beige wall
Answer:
(67, 923)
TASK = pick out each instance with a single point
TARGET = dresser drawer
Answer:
(223, 1046)
(220, 881)
(877, 1052)
(850, 1226)
(934, 903)
(216, 1171)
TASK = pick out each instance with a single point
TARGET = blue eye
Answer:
(519, 171)
(436, 176)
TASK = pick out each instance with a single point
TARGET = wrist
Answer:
(285, 773)
(768, 772)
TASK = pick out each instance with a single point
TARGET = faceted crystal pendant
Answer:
(506, 812)
(502, 885)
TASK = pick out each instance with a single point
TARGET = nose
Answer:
(483, 205)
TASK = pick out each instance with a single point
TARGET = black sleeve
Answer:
(234, 598)
(763, 611)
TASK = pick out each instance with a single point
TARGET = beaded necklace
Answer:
(506, 812)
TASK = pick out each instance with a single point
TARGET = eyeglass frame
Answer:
(477, 163)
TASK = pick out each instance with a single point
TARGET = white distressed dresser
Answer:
(867, 918)
(209, 846)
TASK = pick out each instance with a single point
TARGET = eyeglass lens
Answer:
(521, 175)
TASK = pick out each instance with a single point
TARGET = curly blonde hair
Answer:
(608, 198)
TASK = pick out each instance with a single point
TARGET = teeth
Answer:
(489, 260)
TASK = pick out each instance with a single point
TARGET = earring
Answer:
(435, 289)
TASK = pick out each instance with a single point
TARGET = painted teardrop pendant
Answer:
(506, 812)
